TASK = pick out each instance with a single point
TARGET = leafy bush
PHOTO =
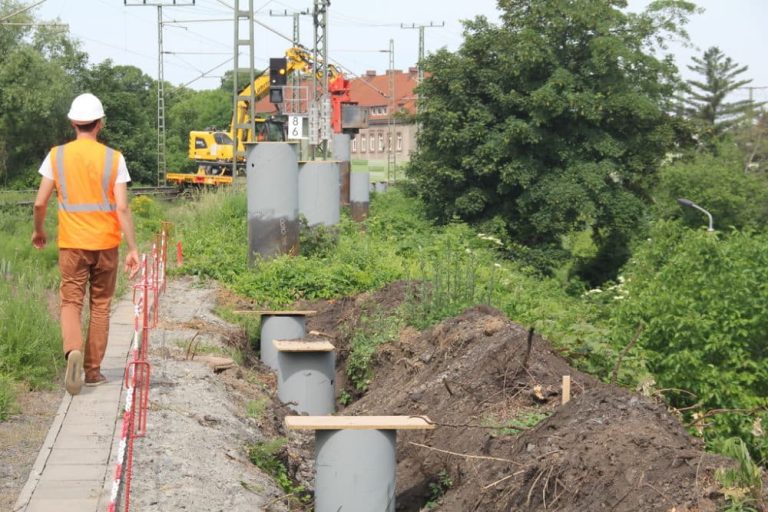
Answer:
(148, 216)
(265, 455)
(701, 299)
(215, 245)
(371, 330)
(718, 184)
(454, 272)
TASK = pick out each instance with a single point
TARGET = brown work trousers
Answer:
(78, 268)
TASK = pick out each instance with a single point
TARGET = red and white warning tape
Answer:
(137, 371)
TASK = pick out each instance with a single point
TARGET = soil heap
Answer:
(503, 440)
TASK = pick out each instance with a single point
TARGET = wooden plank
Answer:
(303, 346)
(566, 389)
(358, 422)
(274, 313)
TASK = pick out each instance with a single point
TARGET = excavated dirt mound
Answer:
(503, 440)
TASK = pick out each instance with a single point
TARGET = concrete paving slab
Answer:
(69, 489)
(92, 408)
(69, 456)
(76, 465)
(59, 505)
(66, 472)
(84, 442)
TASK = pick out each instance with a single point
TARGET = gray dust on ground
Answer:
(195, 454)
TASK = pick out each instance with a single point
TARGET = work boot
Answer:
(97, 379)
(73, 379)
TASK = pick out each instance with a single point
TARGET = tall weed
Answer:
(30, 341)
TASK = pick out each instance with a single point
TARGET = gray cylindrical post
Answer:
(342, 143)
(306, 379)
(282, 327)
(359, 195)
(355, 470)
(273, 199)
(319, 192)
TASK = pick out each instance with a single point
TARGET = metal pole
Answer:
(161, 164)
(320, 112)
(391, 157)
(160, 101)
(272, 171)
(293, 79)
(355, 470)
(419, 65)
(247, 122)
(691, 204)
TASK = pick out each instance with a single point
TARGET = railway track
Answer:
(26, 198)
(164, 192)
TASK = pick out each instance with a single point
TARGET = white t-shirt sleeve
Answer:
(122, 171)
(46, 170)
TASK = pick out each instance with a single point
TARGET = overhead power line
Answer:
(419, 64)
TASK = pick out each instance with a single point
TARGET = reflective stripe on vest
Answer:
(64, 204)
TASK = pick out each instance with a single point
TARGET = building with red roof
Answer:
(376, 143)
(391, 132)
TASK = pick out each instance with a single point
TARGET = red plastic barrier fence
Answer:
(146, 300)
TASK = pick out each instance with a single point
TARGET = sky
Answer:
(198, 52)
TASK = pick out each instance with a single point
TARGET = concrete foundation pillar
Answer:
(278, 327)
(319, 192)
(341, 147)
(359, 195)
(273, 199)
(306, 371)
(355, 470)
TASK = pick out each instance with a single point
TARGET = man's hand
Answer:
(39, 239)
(132, 264)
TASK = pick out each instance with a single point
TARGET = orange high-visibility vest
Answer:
(85, 172)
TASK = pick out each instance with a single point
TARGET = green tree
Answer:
(553, 122)
(706, 98)
(717, 182)
(32, 109)
(130, 103)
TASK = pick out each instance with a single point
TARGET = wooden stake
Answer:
(566, 389)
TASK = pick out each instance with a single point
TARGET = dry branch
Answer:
(615, 374)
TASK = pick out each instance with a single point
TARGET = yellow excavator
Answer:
(212, 150)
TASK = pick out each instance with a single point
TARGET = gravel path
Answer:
(195, 454)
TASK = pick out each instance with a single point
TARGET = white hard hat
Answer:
(86, 108)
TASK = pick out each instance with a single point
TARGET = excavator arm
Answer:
(213, 150)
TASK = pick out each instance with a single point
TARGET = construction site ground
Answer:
(503, 439)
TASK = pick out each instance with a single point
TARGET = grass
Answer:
(377, 170)
(255, 408)
(30, 339)
(520, 422)
(452, 266)
(264, 455)
(30, 342)
(372, 329)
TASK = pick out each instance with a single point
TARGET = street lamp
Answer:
(691, 204)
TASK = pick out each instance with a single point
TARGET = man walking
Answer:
(91, 185)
